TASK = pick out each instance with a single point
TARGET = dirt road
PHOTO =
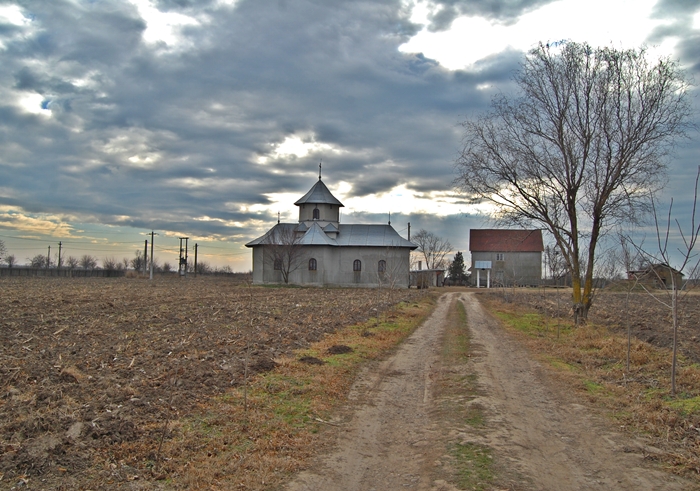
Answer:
(395, 433)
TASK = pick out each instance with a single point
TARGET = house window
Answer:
(317, 214)
(312, 264)
(278, 264)
(357, 265)
(381, 267)
(499, 256)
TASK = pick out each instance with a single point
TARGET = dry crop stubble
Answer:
(100, 376)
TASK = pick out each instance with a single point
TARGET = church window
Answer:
(357, 265)
(381, 267)
(278, 264)
(317, 214)
(312, 264)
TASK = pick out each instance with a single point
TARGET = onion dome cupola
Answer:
(319, 205)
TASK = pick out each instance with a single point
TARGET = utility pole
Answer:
(195, 260)
(59, 255)
(145, 255)
(152, 234)
(182, 269)
(48, 259)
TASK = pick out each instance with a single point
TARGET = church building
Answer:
(320, 251)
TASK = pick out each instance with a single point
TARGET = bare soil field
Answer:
(648, 317)
(93, 368)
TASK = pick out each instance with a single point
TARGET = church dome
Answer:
(318, 194)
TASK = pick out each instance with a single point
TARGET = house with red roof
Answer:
(506, 257)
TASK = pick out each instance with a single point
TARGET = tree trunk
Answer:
(674, 308)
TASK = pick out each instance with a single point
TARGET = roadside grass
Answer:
(592, 359)
(229, 446)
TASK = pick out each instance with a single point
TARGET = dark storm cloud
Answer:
(675, 8)
(503, 11)
(161, 136)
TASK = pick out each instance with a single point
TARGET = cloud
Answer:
(442, 13)
(198, 117)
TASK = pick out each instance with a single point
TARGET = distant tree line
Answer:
(139, 262)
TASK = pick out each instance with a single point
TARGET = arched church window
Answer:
(312, 264)
(317, 214)
(278, 264)
(357, 265)
(381, 267)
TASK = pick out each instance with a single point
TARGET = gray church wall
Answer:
(334, 267)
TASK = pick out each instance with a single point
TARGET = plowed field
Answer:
(92, 368)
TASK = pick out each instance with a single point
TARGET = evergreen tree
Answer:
(456, 271)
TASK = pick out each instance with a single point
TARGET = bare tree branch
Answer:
(579, 150)
(433, 248)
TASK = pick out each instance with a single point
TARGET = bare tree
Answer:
(555, 268)
(110, 264)
(88, 262)
(670, 277)
(167, 267)
(433, 248)
(284, 249)
(137, 262)
(72, 262)
(3, 249)
(10, 260)
(578, 151)
(38, 261)
(628, 257)
(203, 267)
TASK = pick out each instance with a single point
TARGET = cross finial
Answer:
(319, 170)
(389, 218)
(278, 217)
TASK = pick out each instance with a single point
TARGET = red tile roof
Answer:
(502, 240)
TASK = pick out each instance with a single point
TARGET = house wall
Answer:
(335, 267)
(516, 268)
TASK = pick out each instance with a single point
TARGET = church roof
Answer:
(319, 194)
(330, 228)
(348, 236)
(274, 235)
(316, 236)
(371, 235)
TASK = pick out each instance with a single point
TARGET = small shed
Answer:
(658, 275)
(426, 278)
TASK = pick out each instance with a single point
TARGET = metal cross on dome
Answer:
(319, 170)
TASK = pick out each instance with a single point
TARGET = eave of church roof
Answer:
(348, 236)
(319, 194)
(372, 236)
(329, 228)
(316, 236)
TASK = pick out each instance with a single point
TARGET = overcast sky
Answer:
(206, 118)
